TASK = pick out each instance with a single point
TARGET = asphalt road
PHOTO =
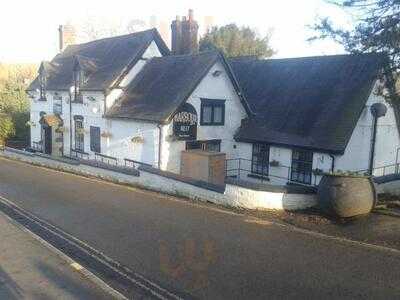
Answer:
(29, 270)
(206, 252)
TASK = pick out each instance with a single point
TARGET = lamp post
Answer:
(71, 92)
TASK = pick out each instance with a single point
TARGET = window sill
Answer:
(207, 124)
(298, 183)
(257, 176)
(42, 99)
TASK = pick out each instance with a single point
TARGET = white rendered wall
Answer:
(210, 87)
(119, 144)
(234, 196)
(357, 153)
(152, 51)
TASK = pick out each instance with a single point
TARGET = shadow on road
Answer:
(9, 289)
(67, 282)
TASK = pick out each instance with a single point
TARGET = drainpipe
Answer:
(159, 126)
(377, 110)
(333, 162)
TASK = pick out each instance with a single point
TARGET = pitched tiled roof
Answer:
(163, 85)
(104, 60)
(311, 102)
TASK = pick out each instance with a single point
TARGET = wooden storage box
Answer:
(203, 165)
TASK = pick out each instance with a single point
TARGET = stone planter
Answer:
(346, 196)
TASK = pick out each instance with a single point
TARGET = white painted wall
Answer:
(92, 109)
(357, 153)
(210, 87)
(152, 51)
(234, 196)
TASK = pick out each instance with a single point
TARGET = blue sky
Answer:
(28, 29)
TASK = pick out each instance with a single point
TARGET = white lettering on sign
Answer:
(186, 117)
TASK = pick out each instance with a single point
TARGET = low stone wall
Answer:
(391, 188)
(389, 184)
(233, 195)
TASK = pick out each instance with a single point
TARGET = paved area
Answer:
(206, 252)
(375, 228)
(29, 270)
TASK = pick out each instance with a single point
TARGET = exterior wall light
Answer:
(106, 134)
(216, 73)
(137, 140)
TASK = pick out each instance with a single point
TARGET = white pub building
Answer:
(277, 120)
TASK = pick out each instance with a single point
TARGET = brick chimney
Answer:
(67, 36)
(184, 35)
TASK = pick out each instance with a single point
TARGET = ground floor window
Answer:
(95, 139)
(301, 170)
(209, 145)
(79, 135)
(260, 159)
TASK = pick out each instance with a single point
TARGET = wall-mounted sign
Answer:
(185, 123)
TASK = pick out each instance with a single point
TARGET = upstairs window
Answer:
(42, 86)
(78, 81)
(57, 104)
(301, 170)
(212, 112)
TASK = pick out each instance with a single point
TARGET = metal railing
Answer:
(241, 168)
(103, 160)
(130, 163)
(110, 160)
(79, 154)
(37, 146)
(382, 170)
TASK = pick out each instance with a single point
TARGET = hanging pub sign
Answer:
(185, 123)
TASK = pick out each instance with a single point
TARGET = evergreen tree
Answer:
(236, 41)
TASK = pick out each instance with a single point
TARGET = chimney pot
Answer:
(67, 36)
(185, 35)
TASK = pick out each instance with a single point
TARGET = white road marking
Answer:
(153, 289)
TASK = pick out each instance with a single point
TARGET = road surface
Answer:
(29, 270)
(205, 252)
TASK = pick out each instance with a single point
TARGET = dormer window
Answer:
(78, 81)
(42, 86)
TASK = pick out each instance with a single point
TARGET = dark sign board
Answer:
(185, 123)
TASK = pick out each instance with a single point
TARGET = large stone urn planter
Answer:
(346, 195)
